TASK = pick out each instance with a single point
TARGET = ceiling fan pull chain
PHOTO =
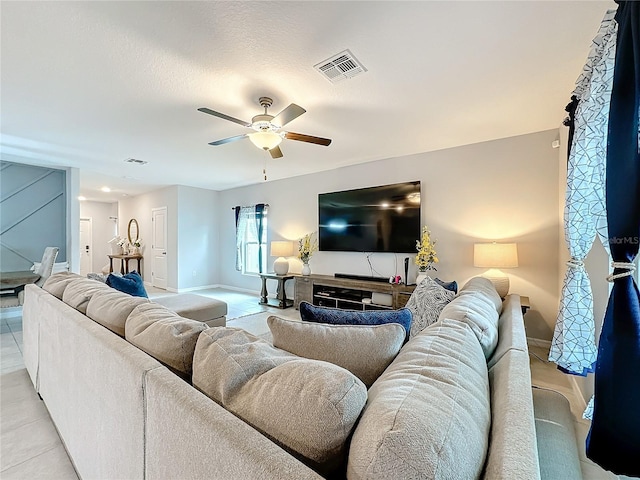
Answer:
(264, 170)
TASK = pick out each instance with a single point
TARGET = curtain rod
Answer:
(247, 206)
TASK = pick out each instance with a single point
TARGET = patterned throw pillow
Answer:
(426, 303)
(130, 283)
(337, 316)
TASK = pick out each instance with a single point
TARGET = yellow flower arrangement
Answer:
(426, 255)
(306, 246)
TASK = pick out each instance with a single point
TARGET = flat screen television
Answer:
(375, 219)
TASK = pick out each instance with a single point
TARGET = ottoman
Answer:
(196, 307)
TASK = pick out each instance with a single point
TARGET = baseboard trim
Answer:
(538, 342)
(578, 392)
(239, 289)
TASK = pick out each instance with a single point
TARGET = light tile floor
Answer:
(30, 447)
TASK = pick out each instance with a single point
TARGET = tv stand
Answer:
(349, 293)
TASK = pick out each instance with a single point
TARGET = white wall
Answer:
(505, 190)
(192, 228)
(197, 237)
(103, 230)
(139, 207)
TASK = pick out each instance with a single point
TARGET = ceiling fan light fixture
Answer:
(265, 140)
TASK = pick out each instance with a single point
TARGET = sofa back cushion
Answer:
(479, 314)
(110, 308)
(428, 415)
(306, 406)
(486, 288)
(78, 292)
(57, 283)
(364, 350)
(164, 335)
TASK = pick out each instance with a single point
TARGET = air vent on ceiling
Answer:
(340, 67)
(135, 161)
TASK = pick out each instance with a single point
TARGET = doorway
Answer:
(86, 246)
(159, 247)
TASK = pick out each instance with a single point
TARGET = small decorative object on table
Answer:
(135, 248)
(426, 256)
(306, 246)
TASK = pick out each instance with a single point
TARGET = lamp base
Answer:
(500, 282)
(281, 266)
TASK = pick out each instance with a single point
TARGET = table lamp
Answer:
(281, 249)
(496, 256)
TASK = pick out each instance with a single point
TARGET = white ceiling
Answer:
(88, 84)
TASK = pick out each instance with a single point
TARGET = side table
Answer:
(124, 262)
(281, 301)
(525, 304)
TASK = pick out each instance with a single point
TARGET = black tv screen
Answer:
(376, 219)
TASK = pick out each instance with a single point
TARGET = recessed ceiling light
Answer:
(105, 189)
(81, 198)
(384, 204)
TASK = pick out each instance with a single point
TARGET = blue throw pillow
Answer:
(337, 316)
(451, 286)
(130, 283)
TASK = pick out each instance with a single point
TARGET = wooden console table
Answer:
(124, 262)
(282, 301)
(327, 290)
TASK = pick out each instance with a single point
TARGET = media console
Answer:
(349, 293)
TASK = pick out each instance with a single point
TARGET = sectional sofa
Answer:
(115, 373)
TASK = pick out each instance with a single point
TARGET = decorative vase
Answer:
(135, 250)
(421, 276)
(306, 269)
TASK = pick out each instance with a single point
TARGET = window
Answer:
(251, 239)
(251, 249)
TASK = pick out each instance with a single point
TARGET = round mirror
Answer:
(132, 231)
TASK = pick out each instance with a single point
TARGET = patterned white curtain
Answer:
(245, 221)
(573, 347)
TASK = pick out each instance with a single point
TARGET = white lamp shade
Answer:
(281, 248)
(495, 255)
(265, 140)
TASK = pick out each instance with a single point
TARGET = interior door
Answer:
(159, 247)
(86, 246)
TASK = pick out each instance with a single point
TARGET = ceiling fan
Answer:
(268, 132)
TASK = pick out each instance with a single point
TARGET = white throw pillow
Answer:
(426, 303)
(364, 350)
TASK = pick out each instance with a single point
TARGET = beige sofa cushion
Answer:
(164, 335)
(364, 350)
(428, 415)
(79, 291)
(195, 307)
(486, 288)
(479, 314)
(307, 406)
(110, 308)
(57, 283)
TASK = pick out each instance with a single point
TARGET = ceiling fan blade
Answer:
(223, 116)
(292, 112)
(230, 139)
(307, 138)
(275, 152)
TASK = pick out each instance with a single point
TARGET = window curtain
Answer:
(260, 212)
(249, 218)
(614, 438)
(573, 347)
